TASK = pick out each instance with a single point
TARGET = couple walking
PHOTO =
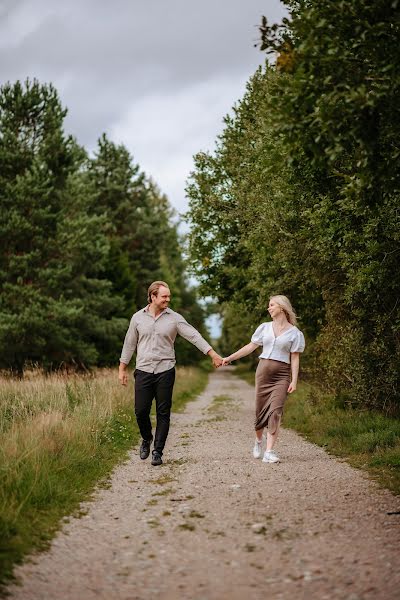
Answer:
(151, 334)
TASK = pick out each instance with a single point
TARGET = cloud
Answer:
(164, 136)
(158, 76)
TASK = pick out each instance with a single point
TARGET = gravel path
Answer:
(214, 523)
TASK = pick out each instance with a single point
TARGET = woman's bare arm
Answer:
(248, 349)
(294, 368)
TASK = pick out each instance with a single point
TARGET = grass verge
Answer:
(190, 382)
(366, 439)
(60, 436)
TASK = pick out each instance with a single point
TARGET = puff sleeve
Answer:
(257, 337)
(298, 343)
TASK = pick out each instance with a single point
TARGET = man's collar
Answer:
(167, 310)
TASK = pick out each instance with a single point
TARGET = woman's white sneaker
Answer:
(257, 450)
(270, 457)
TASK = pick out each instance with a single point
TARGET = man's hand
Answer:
(216, 358)
(217, 361)
(122, 374)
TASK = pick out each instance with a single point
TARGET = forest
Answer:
(83, 236)
(301, 196)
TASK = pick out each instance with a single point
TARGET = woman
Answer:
(277, 371)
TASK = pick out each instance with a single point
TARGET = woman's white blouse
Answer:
(278, 348)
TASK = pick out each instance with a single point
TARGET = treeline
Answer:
(301, 195)
(82, 238)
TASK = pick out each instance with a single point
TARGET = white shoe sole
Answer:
(271, 460)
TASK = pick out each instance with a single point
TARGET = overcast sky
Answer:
(156, 75)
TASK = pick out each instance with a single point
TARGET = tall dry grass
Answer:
(59, 436)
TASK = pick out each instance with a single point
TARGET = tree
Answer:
(339, 111)
(246, 198)
(301, 194)
(51, 297)
(143, 237)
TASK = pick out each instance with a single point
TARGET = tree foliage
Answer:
(82, 238)
(143, 235)
(301, 195)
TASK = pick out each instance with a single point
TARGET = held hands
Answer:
(217, 361)
(225, 361)
(216, 358)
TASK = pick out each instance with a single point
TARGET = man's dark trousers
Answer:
(147, 387)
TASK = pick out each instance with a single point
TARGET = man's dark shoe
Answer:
(156, 458)
(145, 449)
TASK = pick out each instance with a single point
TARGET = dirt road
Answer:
(214, 523)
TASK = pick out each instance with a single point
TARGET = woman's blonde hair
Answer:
(285, 305)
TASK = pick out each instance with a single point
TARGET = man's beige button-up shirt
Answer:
(153, 340)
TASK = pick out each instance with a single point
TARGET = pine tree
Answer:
(53, 306)
(143, 237)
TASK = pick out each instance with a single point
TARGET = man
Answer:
(151, 334)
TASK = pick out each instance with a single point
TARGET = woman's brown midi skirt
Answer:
(272, 382)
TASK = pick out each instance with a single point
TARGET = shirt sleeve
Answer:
(130, 343)
(298, 343)
(191, 334)
(257, 337)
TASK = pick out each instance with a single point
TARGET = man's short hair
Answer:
(153, 289)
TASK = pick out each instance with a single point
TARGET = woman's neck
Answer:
(281, 320)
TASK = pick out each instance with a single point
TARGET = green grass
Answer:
(366, 439)
(59, 437)
(190, 382)
(219, 403)
(187, 527)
